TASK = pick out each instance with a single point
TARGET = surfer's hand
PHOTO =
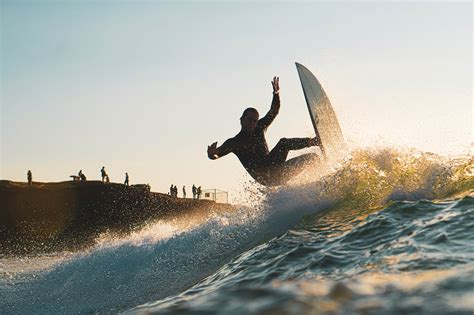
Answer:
(212, 151)
(276, 85)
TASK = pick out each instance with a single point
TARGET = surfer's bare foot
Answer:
(314, 141)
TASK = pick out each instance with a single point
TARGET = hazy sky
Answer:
(144, 87)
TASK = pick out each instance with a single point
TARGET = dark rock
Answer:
(48, 217)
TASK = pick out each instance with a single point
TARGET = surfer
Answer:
(269, 168)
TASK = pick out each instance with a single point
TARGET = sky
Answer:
(144, 86)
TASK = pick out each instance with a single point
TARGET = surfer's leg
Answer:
(301, 160)
(279, 175)
(279, 153)
(295, 165)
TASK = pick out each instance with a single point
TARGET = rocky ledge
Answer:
(48, 217)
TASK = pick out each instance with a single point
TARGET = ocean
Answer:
(386, 231)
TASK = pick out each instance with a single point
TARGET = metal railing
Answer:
(217, 195)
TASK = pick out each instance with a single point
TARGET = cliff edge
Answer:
(46, 217)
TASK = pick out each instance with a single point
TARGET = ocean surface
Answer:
(386, 231)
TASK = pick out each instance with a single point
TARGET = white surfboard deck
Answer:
(322, 115)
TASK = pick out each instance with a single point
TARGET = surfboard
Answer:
(322, 114)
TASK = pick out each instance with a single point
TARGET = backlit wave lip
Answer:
(371, 208)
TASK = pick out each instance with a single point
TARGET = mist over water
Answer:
(385, 230)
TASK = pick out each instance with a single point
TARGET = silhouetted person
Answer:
(184, 192)
(198, 192)
(103, 173)
(29, 177)
(171, 190)
(194, 191)
(82, 176)
(126, 179)
(269, 168)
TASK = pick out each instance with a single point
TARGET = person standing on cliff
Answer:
(103, 173)
(30, 177)
(126, 179)
(82, 176)
(184, 191)
(194, 192)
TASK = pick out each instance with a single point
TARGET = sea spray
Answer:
(344, 232)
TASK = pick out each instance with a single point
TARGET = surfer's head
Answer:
(249, 119)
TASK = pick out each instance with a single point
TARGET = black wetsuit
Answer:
(269, 168)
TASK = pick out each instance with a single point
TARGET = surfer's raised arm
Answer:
(275, 107)
(214, 152)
